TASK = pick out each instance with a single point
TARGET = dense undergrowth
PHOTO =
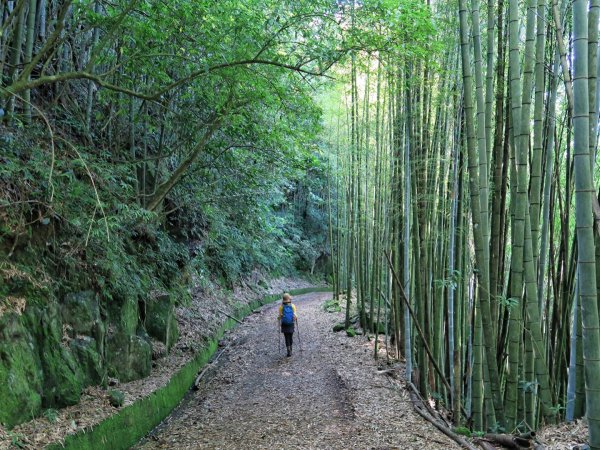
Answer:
(69, 220)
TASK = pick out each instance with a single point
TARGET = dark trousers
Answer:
(288, 339)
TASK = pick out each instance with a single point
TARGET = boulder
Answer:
(20, 372)
(116, 398)
(63, 378)
(160, 321)
(123, 313)
(339, 327)
(85, 350)
(129, 357)
(81, 312)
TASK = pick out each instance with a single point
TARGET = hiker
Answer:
(287, 317)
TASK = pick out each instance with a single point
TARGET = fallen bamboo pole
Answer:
(208, 366)
(230, 316)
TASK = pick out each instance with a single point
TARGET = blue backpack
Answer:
(288, 315)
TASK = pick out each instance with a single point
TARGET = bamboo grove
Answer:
(461, 142)
(464, 184)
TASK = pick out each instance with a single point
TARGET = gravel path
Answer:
(331, 395)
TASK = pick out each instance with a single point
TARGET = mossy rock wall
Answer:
(160, 320)
(130, 424)
(21, 375)
(57, 347)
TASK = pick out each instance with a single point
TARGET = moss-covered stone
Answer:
(63, 378)
(350, 332)
(86, 353)
(339, 327)
(160, 321)
(116, 398)
(81, 311)
(129, 357)
(20, 372)
(124, 313)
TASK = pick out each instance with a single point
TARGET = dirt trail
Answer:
(328, 396)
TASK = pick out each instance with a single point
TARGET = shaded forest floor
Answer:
(333, 394)
(197, 321)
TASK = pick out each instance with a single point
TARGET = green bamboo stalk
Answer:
(482, 225)
(522, 236)
(498, 182)
(27, 56)
(536, 159)
(586, 259)
(562, 49)
(593, 19)
(580, 397)
(515, 324)
(476, 217)
(489, 73)
(407, 222)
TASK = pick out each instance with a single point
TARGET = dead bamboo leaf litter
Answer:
(330, 395)
(198, 321)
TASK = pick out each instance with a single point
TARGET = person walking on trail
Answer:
(287, 318)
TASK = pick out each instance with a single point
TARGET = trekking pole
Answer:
(299, 340)
(279, 333)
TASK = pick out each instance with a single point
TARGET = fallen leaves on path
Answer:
(197, 322)
(332, 394)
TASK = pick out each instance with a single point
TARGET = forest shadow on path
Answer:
(330, 395)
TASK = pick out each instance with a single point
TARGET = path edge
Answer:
(123, 429)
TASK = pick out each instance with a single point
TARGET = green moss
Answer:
(339, 327)
(85, 351)
(160, 320)
(310, 290)
(20, 373)
(332, 306)
(81, 311)
(116, 398)
(129, 357)
(63, 378)
(350, 332)
(463, 431)
(123, 313)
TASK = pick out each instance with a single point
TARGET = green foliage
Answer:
(463, 431)
(116, 398)
(51, 415)
(528, 386)
(332, 306)
(17, 440)
(508, 302)
(404, 27)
